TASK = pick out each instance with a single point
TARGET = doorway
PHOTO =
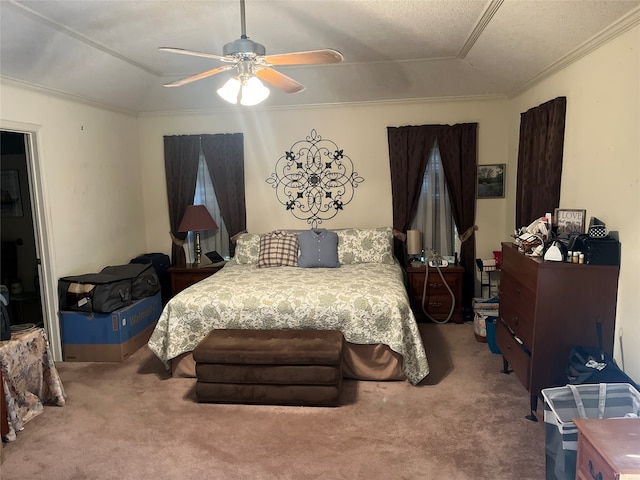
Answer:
(26, 278)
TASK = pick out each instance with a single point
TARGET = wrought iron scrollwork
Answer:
(314, 180)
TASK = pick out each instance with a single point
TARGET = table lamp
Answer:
(197, 218)
(414, 247)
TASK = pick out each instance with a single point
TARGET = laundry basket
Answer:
(562, 404)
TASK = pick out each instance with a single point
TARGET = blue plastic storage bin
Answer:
(491, 334)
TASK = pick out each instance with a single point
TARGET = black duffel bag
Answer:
(94, 292)
(594, 365)
(161, 263)
(144, 279)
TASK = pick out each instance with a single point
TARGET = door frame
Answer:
(41, 217)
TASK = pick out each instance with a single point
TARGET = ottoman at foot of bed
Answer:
(275, 367)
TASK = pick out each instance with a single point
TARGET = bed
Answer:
(365, 298)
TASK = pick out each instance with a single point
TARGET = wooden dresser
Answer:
(438, 299)
(546, 308)
(608, 449)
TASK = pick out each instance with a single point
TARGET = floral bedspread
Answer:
(30, 378)
(367, 302)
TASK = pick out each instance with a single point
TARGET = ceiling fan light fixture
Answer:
(250, 59)
(253, 92)
(230, 90)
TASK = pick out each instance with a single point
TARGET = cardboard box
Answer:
(109, 337)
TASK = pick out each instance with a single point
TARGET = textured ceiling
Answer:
(106, 51)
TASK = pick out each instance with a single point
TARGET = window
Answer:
(206, 195)
(433, 217)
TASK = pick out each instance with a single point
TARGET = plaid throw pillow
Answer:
(278, 249)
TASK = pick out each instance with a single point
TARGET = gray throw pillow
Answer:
(318, 249)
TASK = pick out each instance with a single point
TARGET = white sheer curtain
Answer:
(433, 217)
(205, 195)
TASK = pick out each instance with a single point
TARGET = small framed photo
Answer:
(570, 221)
(491, 181)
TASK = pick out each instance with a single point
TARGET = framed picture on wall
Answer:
(570, 221)
(491, 181)
(10, 198)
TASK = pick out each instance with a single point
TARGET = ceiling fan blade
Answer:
(311, 57)
(182, 51)
(199, 76)
(278, 80)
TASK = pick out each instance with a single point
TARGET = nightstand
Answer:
(437, 300)
(608, 448)
(183, 277)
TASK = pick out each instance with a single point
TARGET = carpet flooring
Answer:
(131, 420)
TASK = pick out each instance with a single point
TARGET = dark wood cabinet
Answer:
(183, 277)
(438, 299)
(546, 308)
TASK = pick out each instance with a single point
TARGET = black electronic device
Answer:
(597, 251)
(215, 257)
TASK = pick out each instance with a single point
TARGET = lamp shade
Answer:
(250, 90)
(414, 246)
(253, 92)
(229, 91)
(197, 218)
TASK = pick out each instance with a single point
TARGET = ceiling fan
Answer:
(251, 63)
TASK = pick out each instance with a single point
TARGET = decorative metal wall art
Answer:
(314, 179)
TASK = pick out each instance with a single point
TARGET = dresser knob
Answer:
(515, 320)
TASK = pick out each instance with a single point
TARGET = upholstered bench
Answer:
(277, 367)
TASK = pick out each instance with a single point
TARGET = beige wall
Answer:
(601, 166)
(359, 130)
(89, 165)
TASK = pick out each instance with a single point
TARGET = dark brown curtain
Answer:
(540, 160)
(224, 154)
(458, 153)
(409, 149)
(181, 157)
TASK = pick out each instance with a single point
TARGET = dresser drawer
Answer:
(520, 265)
(517, 307)
(511, 350)
(590, 463)
(438, 306)
(435, 285)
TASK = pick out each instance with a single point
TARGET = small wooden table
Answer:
(608, 449)
(183, 277)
